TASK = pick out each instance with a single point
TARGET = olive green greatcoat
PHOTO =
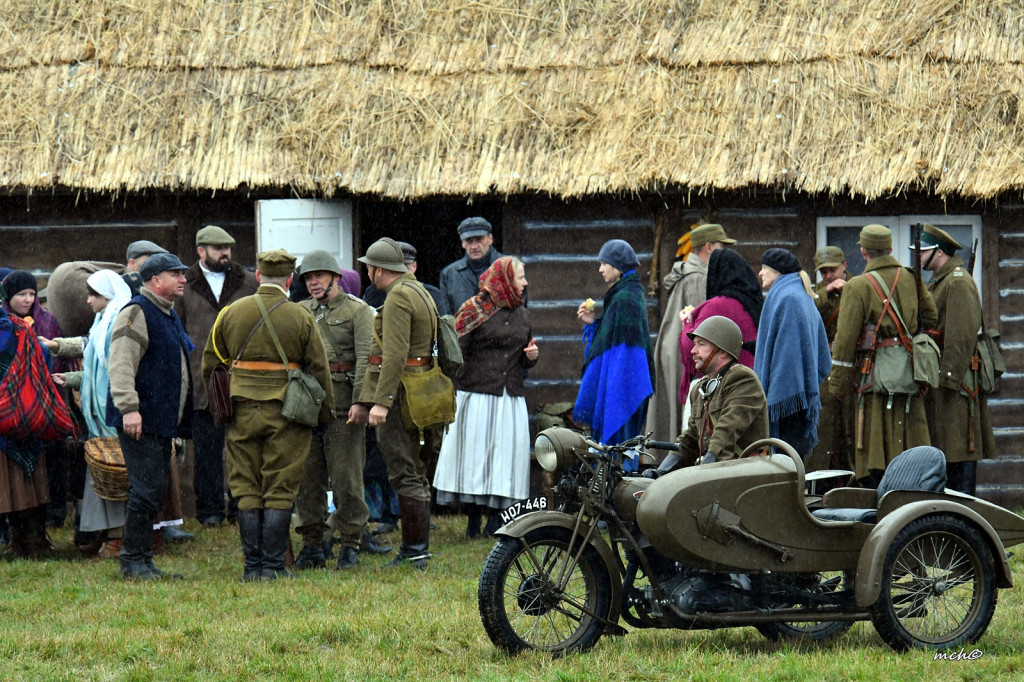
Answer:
(266, 452)
(738, 412)
(338, 455)
(833, 408)
(950, 411)
(886, 425)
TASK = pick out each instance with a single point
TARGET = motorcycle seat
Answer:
(920, 469)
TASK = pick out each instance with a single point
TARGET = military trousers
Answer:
(337, 456)
(266, 455)
(403, 454)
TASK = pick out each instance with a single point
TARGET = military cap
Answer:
(214, 236)
(275, 263)
(385, 253)
(42, 295)
(876, 237)
(474, 227)
(933, 237)
(143, 247)
(708, 233)
(408, 251)
(160, 262)
(828, 257)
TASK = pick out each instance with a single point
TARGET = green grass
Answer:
(70, 619)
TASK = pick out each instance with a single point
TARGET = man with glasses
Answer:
(728, 410)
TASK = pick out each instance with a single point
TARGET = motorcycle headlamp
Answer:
(554, 448)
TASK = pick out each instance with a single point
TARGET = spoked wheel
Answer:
(778, 590)
(938, 586)
(534, 595)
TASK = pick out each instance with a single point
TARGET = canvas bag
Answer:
(304, 396)
(901, 368)
(446, 339)
(992, 363)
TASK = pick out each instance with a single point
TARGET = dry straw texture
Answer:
(408, 98)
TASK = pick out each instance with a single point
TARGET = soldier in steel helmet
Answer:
(728, 410)
(403, 342)
(338, 451)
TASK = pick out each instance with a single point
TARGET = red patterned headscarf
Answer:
(497, 290)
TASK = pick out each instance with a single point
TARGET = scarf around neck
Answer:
(497, 290)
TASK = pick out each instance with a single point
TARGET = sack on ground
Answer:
(449, 352)
(302, 398)
(429, 399)
(218, 390)
(992, 363)
(926, 360)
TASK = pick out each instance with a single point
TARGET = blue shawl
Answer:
(792, 357)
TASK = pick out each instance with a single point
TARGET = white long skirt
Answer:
(485, 456)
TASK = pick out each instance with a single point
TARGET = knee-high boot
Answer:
(250, 528)
(136, 544)
(415, 533)
(277, 525)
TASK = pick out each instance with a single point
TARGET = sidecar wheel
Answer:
(938, 586)
(521, 605)
(774, 592)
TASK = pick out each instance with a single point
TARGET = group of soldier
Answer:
(860, 427)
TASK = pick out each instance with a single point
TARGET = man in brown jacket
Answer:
(885, 424)
(958, 416)
(403, 342)
(211, 284)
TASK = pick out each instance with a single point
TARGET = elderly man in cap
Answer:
(136, 255)
(211, 284)
(958, 418)
(460, 281)
(403, 342)
(150, 402)
(266, 453)
(685, 287)
(886, 424)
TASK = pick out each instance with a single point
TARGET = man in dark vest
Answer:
(150, 402)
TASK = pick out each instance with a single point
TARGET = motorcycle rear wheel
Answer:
(522, 604)
(938, 585)
(810, 631)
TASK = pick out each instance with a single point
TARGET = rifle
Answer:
(915, 231)
(970, 261)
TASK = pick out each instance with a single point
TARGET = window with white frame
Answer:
(844, 232)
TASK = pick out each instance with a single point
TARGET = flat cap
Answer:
(474, 227)
(708, 233)
(828, 257)
(408, 252)
(160, 262)
(275, 263)
(876, 237)
(143, 247)
(933, 237)
(214, 236)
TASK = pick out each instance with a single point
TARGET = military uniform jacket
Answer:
(828, 306)
(860, 305)
(738, 415)
(346, 326)
(405, 329)
(298, 335)
(959, 319)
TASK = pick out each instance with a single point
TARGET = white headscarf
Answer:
(110, 286)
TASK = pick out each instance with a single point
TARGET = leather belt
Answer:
(410, 362)
(888, 343)
(342, 366)
(260, 366)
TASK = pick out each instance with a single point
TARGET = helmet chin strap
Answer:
(327, 291)
(704, 365)
(931, 256)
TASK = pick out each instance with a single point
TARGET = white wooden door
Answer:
(303, 225)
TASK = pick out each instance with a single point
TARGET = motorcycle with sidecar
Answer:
(741, 543)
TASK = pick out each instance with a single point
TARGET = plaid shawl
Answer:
(31, 409)
(497, 290)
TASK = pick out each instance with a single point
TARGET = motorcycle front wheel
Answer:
(534, 594)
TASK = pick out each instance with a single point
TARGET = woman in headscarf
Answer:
(618, 365)
(485, 457)
(732, 291)
(108, 293)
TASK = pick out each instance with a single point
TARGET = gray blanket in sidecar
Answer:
(922, 468)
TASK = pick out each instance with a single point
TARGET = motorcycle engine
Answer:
(700, 592)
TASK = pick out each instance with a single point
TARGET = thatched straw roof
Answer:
(408, 98)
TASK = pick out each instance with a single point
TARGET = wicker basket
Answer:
(106, 463)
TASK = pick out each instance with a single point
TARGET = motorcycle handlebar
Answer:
(662, 445)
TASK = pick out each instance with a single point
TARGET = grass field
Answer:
(70, 619)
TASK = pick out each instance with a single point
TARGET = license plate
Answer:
(521, 507)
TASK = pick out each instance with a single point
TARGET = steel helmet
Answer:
(385, 253)
(319, 260)
(722, 332)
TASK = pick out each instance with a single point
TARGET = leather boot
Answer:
(277, 525)
(137, 540)
(371, 545)
(415, 533)
(37, 543)
(150, 550)
(250, 528)
(16, 548)
(472, 521)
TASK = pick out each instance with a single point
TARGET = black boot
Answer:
(250, 527)
(137, 541)
(277, 525)
(493, 523)
(472, 521)
(415, 533)
(372, 545)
